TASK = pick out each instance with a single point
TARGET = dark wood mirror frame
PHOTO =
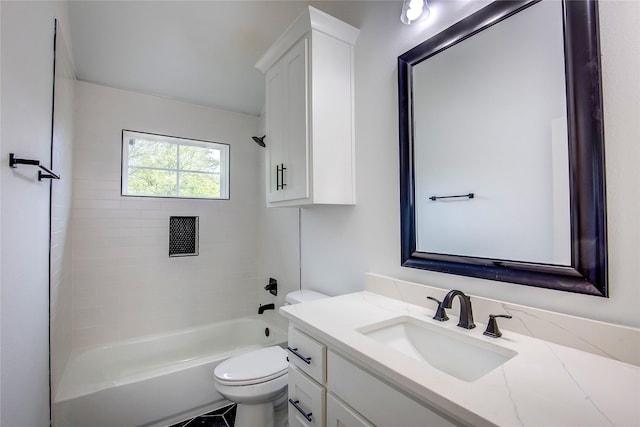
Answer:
(587, 273)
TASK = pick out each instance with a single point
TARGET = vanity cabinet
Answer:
(339, 414)
(307, 378)
(306, 400)
(309, 113)
(308, 355)
(333, 391)
(378, 402)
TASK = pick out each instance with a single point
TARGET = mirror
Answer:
(502, 148)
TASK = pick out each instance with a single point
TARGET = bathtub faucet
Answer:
(262, 308)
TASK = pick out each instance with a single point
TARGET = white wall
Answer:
(124, 283)
(339, 244)
(26, 79)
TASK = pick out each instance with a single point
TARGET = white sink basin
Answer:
(464, 357)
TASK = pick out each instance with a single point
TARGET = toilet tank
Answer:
(303, 295)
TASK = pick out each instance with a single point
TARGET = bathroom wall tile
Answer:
(105, 213)
(88, 317)
(96, 204)
(97, 150)
(94, 336)
(141, 203)
(95, 194)
(80, 183)
(125, 284)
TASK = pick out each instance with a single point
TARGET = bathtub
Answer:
(155, 380)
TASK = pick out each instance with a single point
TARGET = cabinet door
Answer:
(275, 130)
(296, 126)
(307, 400)
(308, 355)
(340, 415)
(363, 392)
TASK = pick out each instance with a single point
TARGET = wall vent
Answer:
(183, 236)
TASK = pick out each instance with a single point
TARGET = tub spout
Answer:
(262, 308)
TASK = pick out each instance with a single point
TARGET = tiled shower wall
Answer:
(124, 283)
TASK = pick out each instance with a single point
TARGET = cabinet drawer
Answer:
(308, 354)
(382, 404)
(341, 415)
(306, 400)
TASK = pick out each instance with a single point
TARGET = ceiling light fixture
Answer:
(414, 11)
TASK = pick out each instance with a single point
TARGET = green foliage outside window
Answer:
(173, 167)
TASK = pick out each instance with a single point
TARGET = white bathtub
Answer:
(157, 379)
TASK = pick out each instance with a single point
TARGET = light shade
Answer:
(414, 11)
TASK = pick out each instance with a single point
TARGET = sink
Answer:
(454, 353)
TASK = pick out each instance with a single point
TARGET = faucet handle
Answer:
(492, 327)
(440, 315)
(272, 286)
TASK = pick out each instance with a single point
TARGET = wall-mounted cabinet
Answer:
(309, 113)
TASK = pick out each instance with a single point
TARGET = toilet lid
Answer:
(253, 367)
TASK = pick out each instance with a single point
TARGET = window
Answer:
(166, 166)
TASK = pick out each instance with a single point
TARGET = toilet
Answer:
(257, 380)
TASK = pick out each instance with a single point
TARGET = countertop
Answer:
(545, 384)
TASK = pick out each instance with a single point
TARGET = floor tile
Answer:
(208, 421)
(223, 417)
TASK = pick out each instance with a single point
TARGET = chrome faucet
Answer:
(466, 314)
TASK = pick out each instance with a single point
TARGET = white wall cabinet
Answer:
(309, 113)
(335, 392)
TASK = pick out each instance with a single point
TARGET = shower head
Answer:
(259, 141)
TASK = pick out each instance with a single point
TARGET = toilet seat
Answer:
(254, 367)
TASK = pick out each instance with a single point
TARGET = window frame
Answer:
(225, 163)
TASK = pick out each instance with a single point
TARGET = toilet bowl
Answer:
(257, 381)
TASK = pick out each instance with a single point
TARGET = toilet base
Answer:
(268, 414)
(281, 418)
(281, 412)
(253, 415)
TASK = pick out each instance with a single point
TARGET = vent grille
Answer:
(183, 236)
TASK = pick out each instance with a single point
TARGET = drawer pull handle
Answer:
(302, 411)
(306, 360)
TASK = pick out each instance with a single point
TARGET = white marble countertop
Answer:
(545, 384)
